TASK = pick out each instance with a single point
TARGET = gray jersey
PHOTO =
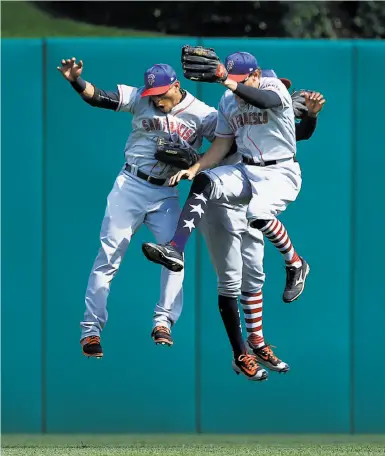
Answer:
(187, 123)
(263, 134)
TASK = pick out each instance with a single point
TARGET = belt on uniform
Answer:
(136, 172)
(250, 161)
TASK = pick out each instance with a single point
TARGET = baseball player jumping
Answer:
(163, 113)
(258, 113)
(237, 251)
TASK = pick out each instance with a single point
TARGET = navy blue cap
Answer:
(158, 79)
(240, 65)
(272, 74)
(269, 74)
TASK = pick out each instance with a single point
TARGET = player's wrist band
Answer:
(79, 85)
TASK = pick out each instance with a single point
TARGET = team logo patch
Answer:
(230, 65)
(151, 79)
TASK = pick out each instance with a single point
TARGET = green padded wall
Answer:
(59, 161)
(315, 394)
(22, 147)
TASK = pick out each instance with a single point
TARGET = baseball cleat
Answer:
(91, 347)
(161, 335)
(166, 255)
(295, 281)
(247, 365)
(266, 357)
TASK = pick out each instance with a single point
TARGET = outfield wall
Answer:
(59, 160)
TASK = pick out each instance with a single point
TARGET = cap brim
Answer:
(238, 77)
(156, 91)
(287, 82)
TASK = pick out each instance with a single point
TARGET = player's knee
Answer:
(230, 288)
(254, 288)
(110, 255)
(202, 184)
(254, 283)
(259, 224)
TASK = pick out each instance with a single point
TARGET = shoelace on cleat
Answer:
(162, 329)
(249, 361)
(92, 340)
(291, 274)
(269, 352)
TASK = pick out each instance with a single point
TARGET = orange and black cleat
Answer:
(247, 365)
(267, 357)
(91, 347)
(161, 335)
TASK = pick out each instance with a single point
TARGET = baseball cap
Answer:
(240, 65)
(273, 74)
(158, 79)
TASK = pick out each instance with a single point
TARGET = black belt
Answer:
(146, 177)
(250, 161)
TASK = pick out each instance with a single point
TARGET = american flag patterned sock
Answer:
(277, 234)
(252, 304)
(189, 219)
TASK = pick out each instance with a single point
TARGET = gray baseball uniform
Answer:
(261, 135)
(134, 201)
(236, 250)
(242, 192)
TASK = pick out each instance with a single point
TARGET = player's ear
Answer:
(256, 75)
(177, 85)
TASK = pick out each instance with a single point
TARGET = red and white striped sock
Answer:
(277, 234)
(252, 304)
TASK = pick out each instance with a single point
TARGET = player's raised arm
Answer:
(240, 73)
(244, 80)
(307, 105)
(72, 70)
(260, 98)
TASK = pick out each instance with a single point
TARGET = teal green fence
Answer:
(59, 160)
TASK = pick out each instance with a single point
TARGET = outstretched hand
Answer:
(70, 69)
(183, 174)
(314, 102)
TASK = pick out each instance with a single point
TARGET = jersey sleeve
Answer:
(304, 129)
(127, 98)
(209, 123)
(275, 85)
(223, 128)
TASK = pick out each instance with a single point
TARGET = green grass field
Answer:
(192, 445)
(25, 20)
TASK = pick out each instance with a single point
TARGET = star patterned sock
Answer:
(192, 211)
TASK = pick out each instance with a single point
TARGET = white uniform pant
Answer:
(236, 250)
(131, 203)
(241, 194)
(269, 189)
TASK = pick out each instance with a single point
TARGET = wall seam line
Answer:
(353, 257)
(44, 253)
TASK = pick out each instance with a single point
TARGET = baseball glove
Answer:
(202, 64)
(176, 155)
(299, 105)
